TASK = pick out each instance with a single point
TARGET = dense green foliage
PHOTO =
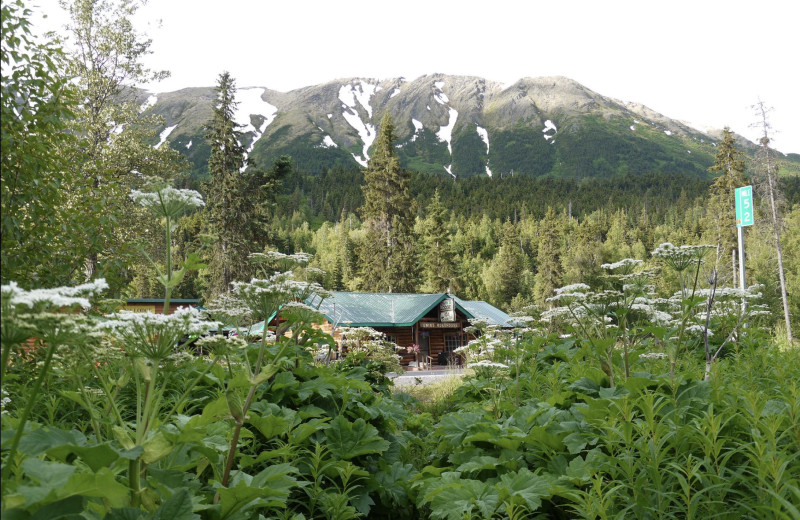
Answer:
(36, 106)
(267, 427)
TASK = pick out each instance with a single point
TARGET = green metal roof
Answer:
(395, 309)
(161, 300)
(479, 309)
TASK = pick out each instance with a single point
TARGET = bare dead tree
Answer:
(766, 175)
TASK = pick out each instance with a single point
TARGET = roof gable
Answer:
(395, 309)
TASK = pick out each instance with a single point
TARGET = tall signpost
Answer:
(744, 217)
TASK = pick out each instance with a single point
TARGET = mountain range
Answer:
(459, 126)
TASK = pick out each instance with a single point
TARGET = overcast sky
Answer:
(705, 62)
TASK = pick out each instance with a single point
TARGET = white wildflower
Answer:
(301, 258)
(697, 330)
(155, 336)
(361, 333)
(567, 296)
(220, 344)
(229, 309)
(168, 202)
(486, 363)
(679, 258)
(56, 297)
(576, 287)
(625, 263)
(295, 305)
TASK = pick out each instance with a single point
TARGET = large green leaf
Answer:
(156, 448)
(70, 508)
(177, 507)
(102, 484)
(96, 457)
(277, 478)
(270, 488)
(46, 438)
(347, 440)
(543, 439)
(476, 464)
(233, 499)
(126, 513)
(304, 430)
(50, 478)
(454, 427)
(524, 487)
(575, 442)
(465, 496)
(319, 385)
(270, 426)
(393, 482)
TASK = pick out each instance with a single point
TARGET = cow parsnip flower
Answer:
(168, 202)
(156, 336)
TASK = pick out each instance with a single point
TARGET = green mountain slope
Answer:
(456, 126)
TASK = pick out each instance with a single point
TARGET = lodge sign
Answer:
(439, 325)
(447, 310)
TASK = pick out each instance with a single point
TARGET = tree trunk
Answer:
(771, 178)
(779, 250)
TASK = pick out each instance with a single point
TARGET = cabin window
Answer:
(451, 342)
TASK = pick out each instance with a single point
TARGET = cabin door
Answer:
(424, 345)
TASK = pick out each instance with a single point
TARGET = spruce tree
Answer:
(437, 256)
(388, 252)
(504, 280)
(721, 208)
(224, 189)
(548, 264)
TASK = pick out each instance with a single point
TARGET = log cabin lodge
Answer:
(435, 322)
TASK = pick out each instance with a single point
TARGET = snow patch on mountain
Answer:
(251, 103)
(366, 132)
(164, 134)
(327, 142)
(484, 135)
(549, 126)
(189, 144)
(394, 93)
(439, 94)
(667, 132)
(361, 92)
(150, 102)
(417, 129)
(445, 133)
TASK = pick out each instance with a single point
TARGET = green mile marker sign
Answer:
(744, 206)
